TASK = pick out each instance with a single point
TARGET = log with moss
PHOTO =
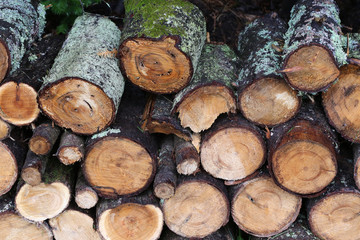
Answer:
(313, 51)
(43, 139)
(210, 92)
(161, 43)
(71, 148)
(84, 86)
(34, 168)
(263, 95)
(302, 152)
(85, 196)
(21, 23)
(351, 44)
(138, 217)
(187, 158)
(122, 159)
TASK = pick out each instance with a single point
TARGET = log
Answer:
(261, 208)
(335, 213)
(198, 208)
(351, 43)
(18, 92)
(161, 43)
(223, 233)
(340, 103)
(313, 50)
(302, 153)
(83, 88)
(232, 148)
(210, 91)
(356, 153)
(187, 158)
(71, 148)
(50, 197)
(166, 177)
(157, 118)
(137, 217)
(85, 196)
(34, 168)
(122, 159)
(21, 23)
(5, 129)
(264, 97)
(44, 138)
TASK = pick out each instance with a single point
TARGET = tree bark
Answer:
(34, 168)
(83, 88)
(313, 49)
(85, 196)
(44, 138)
(264, 97)
(232, 148)
(71, 148)
(22, 22)
(351, 44)
(161, 43)
(187, 158)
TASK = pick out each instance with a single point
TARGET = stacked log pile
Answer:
(153, 132)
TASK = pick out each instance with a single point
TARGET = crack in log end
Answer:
(91, 109)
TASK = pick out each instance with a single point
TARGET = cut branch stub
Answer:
(71, 148)
(161, 43)
(84, 87)
(210, 91)
(44, 138)
(34, 168)
(85, 196)
(313, 48)
(186, 156)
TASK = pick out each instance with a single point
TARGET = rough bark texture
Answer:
(210, 91)
(263, 96)
(44, 138)
(351, 44)
(85, 196)
(166, 177)
(71, 148)
(34, 168)
(176, 23)
(187, 159)
(21, 23)
(84, 86)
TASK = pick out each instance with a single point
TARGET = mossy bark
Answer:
(351, 43)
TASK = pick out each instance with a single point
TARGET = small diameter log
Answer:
(83, 88)
(124, 218)
(198, 208)
(166, 177)
(356, 152)
(85, 196)
(222, 234)
(71, 148)
(122, 159)
(5, 129)
(187, 158)
(161, 43)
(302, 153)
(49, 198)
(232, 148)
(18, 92)
(261, 208)
(21, 23)
(210, 91)
(313, 50)
(263, 95)
(34, 168)
(341, 103)
(157, 118)
(44, 138)
(335, 213)
(73, 224)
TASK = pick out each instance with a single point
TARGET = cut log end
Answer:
(200, 108)
(131, 221)
(189, 166)
(303, 166)
(4, 60)
(39, 145)
(77, 104)
(357, 174)
(5, 129)
(125, 169)
(9, 169)
(269, 101)
(232, 153)
(314, 69)
(31, 175)
(13, 226)
(18, 103)
(69, 155)
(263, 209)
(155, 65)
(86, 198)
(164, 190)
(336, 216)
(30, 200)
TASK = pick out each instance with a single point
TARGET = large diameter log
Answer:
(124, 218)
(302, 153)
(85, 196)
(335, 213)
(263, 95)
(44, 138)
(161, 43)
(198, 208)
(223, 233)
(34, 168)
(71, 148)
(341, 103)
(21, 23)
(210, 91)
(232, 149)
(261, 208)
(313, 49)
(122, 159)
(83, 88)
(186, 156)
